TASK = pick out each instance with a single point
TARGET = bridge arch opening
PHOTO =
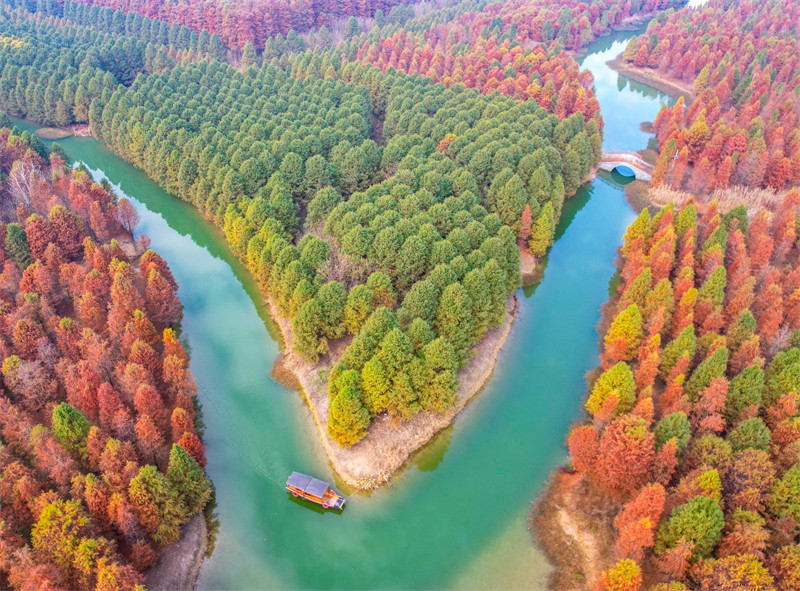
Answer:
(625, 171)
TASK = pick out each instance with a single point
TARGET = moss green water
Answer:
(457, 516)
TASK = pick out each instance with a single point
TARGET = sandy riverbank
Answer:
(671, 86)
(372, 461)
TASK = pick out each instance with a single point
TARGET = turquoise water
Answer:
(457, 515)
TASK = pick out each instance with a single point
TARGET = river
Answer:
(456, 517)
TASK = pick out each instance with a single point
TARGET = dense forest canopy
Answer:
(743, 61)
(507, 46)
(100, 460)
(247, 21)
(374, 204)
(335, 225)
(692, 446)
(381, 187)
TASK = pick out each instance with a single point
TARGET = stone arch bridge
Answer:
(641, 169)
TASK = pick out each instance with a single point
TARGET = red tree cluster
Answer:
(236, 23)
(100, 462)
(552, 79)
(743, 59)
(502, 47)
(695, 411)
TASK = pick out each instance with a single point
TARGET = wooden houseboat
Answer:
(301, 485)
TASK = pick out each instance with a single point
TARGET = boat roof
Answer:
(307, 484)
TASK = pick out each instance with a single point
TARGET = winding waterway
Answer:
(457, 515)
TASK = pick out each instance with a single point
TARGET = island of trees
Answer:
(100, 459)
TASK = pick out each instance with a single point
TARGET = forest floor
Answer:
(387, 446)
(179, 563)
(578, 543)
(672, 86)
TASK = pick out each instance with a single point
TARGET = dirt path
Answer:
(586, 542)
(576, 542)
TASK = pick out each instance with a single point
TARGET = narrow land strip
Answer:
(179, 563)
(672, 87)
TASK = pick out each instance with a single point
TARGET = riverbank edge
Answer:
(574, 541)
(630, 23)
(645, 76)
(178, 564)
(373, 461)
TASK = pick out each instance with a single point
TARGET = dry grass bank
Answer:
(179, 563)
(637, 195)
(372, 461)
(753, 199)
(672, 86)
(572, 526)
(52, 133)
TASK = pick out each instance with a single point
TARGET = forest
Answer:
(374, 206)
(690, 453)
(100, 458)
(517, 47)
(237, 23)
(341, 231)
(742, 61)
(381, 168)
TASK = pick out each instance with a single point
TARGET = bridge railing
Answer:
(622, 156)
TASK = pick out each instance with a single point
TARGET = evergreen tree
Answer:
(542, 232)
(160, 508)
(348, 418)
(700, 521)
(186, 476)
(17, 247)
(454, 320)
(617, 384)
(70, 428)
(351, 28)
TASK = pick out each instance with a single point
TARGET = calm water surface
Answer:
(456, 517)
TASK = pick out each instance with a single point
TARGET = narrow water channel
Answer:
(457, 516)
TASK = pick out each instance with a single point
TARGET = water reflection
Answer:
(312, 506)
(614, 179)
(625, 104)
(429, 457)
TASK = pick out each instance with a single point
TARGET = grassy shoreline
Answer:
(650, 77)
